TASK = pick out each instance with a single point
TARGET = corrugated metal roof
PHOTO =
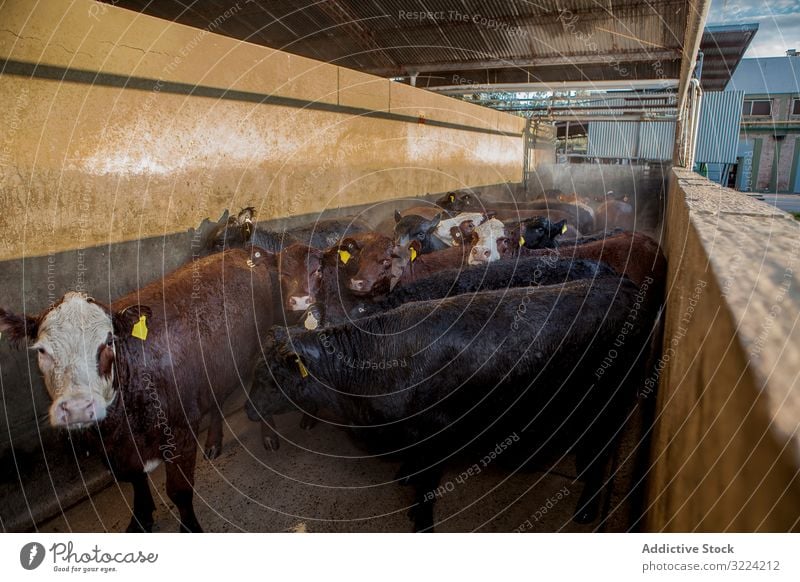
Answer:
(481, 40)
(772, 75)
(718, 133)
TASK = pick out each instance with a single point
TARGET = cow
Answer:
(579, 215)
(415, 227)
(453, 230)
(430, 378)
(632, 254)
(456, 202)
(355, 271)
(527, 271)
(615, 214)
(491, 242)
(484, 249)
(144, 369)
(241, 230)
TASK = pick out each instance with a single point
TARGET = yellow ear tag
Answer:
(413, 254)
(344, 256)
(521, 240)
(140, 328)
(302, 368)
(452, 198)
(563, 229)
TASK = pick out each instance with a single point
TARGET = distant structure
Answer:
(768, 156)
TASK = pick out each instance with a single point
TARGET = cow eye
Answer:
(386, 263)
(421, 236)
(41, 351)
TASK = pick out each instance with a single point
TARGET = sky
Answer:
(778, 23)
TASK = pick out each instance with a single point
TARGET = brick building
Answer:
(769, 139)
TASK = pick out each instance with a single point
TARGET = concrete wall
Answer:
(726, 449)
(204, 123)
(120, 133)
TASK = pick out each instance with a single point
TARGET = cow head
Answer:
(419, 228)
(539, 233)
(486, 236)
(373, 265)
(234, 233)
(456, 201)
(75, 344)
(300, 270)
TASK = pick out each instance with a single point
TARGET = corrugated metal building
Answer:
(718, 133)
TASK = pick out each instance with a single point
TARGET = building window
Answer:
(761, 107)
(796, 107)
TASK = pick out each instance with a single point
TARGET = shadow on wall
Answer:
(43, 470)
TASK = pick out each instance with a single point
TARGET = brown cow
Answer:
(632, 254)
(144, 369)
(615, 214)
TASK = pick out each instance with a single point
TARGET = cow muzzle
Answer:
(75, 411)
(479, 255)
(300, 303)
(359, 286)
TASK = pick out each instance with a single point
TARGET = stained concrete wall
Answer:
(726, 448)
(156, 125)
(120, 133)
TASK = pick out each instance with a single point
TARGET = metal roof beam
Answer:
(622, 84)
(512, 63)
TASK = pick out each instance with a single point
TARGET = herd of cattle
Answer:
(445, 328)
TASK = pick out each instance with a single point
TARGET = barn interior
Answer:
(132, 128)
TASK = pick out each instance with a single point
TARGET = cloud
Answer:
(778, 23)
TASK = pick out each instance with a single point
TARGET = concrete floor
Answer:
(319, 484)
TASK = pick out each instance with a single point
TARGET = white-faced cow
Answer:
(145, 369)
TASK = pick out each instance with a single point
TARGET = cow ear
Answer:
(18, 327)
(259, 256)
(246, 215)
(124, 320)
(397, 216)
(348, 244)
(434, 222)
(559, 227)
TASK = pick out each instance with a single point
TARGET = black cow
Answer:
(533, 271)
(429, 378)
(241, 230)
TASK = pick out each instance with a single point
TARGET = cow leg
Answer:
(143, 505)
(424, 479)
(269, 438)
(180, 488)
(591, 464)
(213, 446)
(309, 421)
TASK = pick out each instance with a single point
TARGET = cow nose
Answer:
(479, 255)
(74, 411)
(299, 302)
(357, 284)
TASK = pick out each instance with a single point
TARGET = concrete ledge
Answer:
(726, 451)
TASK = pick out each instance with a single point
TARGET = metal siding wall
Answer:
(656, 140)
(609, 139)
(718, 134)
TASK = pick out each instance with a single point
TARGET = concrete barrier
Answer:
(726, 448)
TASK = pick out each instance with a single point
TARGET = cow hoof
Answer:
(585, 515)
(212, 452)
(135, 527)
(307, 422)
(271, 443)
(422, 516)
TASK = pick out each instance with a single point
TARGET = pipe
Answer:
(557, 86)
